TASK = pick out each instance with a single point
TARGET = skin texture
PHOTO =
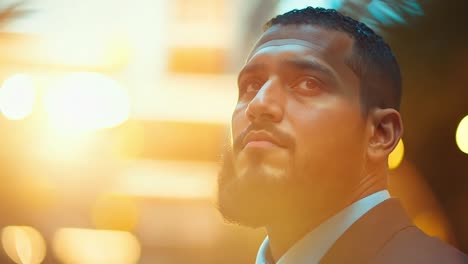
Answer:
(312, 151)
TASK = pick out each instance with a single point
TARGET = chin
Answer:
(263, 172)
(253, 195)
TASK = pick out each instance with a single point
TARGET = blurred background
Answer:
(114, 114)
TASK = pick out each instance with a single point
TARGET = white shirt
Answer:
(313, 246)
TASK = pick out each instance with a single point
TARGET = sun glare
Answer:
(86, 101)
(17, 96)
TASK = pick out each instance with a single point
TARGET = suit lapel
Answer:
(365, 237)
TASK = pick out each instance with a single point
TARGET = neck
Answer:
(284, 233)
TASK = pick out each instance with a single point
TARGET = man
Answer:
(316, 118)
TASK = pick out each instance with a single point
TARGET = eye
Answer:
(308, 85)
(251, 86)
(254, 86)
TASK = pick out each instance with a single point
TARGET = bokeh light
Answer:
(23, 244)
(74, 245)
(419, 201)
(86, 101)
(395, 158)
(433, 223)
(17, 96)
(461, 135)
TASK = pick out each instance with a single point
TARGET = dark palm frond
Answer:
(13, 11)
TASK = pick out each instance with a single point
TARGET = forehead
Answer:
(323, 44)
(309, 47)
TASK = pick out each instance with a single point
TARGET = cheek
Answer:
(330, 139)
(238, 122)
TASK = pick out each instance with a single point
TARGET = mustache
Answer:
(282, 137)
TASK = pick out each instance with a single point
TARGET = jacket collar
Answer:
(366, 236)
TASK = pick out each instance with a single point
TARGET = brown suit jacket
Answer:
(385, 235)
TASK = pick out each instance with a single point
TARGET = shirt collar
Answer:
(313, 246)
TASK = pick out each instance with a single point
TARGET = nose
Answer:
(268, 103)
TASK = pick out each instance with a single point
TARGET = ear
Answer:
(386, 129)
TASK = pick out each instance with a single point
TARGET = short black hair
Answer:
(372, 59)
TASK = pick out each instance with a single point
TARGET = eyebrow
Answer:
(299, 64)
(310, 65)
(252, 67)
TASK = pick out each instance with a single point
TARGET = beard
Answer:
(288, 185)
(260, 193)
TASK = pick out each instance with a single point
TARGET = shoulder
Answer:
(411, 245)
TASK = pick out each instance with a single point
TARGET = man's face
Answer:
(299, 136)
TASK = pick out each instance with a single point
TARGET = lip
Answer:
(260, 139)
